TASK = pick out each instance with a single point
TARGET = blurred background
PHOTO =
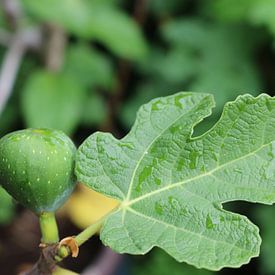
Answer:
(87, 65)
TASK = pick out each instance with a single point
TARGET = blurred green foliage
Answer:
(89, 67)
(120, 54)
(265, 218)
(98, 20)
(203, 57)
(256, 12)
(6, 207)
(52, 100)
(160, 263)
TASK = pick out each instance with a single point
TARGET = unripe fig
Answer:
(36, 168)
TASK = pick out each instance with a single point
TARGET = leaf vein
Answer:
(148, 147)
(174, 185)
(185, 230)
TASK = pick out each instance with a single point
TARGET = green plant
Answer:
(191, 62)
(256, 12)
(170, 186)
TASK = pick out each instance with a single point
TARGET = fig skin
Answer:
(37, 168)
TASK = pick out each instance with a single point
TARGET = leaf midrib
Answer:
(209, 173)
(151, 143)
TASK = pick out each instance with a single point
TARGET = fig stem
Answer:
(89, 231)
(64, 250)
(86, 234)
(49, 229)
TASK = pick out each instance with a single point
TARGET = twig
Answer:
(55, 48)
(46, 263)
(11, 63)
(19, 43)
(12, 9)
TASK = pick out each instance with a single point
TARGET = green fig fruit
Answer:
(37, 168)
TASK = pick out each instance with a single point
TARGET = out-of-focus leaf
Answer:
(90, 67)
(164, 8)
(94, 110)
(70, 14)
(215, 55)
(8, 118)
(263, 14)
(6, 207)
(231, 10)
(202, 56)
(86, 206)
(52, 101)
(265, 216)
(89, 19)
(257, 12)
(117, 31)
(160, 263)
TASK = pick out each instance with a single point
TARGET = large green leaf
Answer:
(172, 186)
